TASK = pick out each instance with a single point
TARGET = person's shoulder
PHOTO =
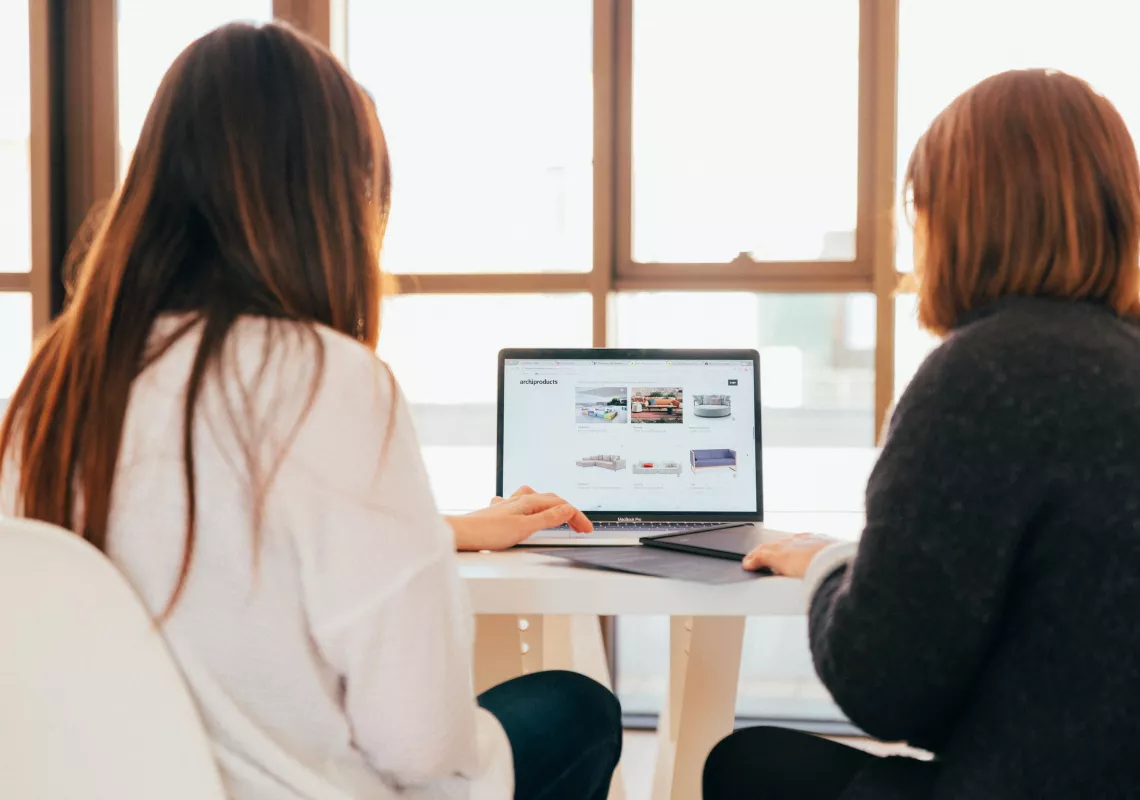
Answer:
(1025, 335)
(297, 351)
(1018, 321)
(1029, 352)
(309, 384)
(253, 333)
(348, 361)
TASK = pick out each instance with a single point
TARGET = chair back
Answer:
(91, 703)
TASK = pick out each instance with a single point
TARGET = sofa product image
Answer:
(712, 405)
(666, 404)
(657, 468)
(603, 412)
(605, 462)
(703, 459)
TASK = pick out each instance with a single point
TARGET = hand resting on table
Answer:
(789, 556)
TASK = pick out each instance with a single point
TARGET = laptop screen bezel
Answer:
(625, 354)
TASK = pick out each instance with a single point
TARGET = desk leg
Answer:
(498, 650)
(704, 670)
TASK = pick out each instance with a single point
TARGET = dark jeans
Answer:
(778, 764)
(565, 732)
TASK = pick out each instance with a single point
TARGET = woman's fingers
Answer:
(773, 556)
(522, 491)
(790, 556)
(551, 517)
(535, 504)
(766, 555)
(580, 522)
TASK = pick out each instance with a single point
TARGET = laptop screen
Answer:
(638, 436)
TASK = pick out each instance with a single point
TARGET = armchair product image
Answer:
(613, 463)
(712, 405)
(707, 459)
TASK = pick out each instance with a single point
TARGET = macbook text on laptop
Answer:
(643, 441)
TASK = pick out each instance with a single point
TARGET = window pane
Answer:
(151, 35)
(15, 125)
(488, 111)
(745, 129)
(912, 343)
(15, 341)
(816, 373)
(444, 349)
(817, 392)
(946, 47)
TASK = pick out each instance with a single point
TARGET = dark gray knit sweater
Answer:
(992, 613)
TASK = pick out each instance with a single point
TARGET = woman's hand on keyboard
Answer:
(508, 521)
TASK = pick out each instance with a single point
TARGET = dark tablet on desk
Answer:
(731, 542)
(657, 562)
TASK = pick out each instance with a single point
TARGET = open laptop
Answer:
(643, 441)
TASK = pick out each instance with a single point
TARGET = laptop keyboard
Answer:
(656, 527)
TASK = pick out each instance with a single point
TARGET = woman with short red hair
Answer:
(990, 612)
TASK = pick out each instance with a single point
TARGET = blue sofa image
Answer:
(700, 459)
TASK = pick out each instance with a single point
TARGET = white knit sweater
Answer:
(336, 663)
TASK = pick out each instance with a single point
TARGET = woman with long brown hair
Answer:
(209, 411)
(990, 613)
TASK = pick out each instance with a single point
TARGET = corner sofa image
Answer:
(605, 462)
(712, 405)
(657, 468)
(704, 459)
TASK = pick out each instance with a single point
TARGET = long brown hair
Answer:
(1026, 184)
(259, 187)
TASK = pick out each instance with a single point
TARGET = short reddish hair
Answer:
(1026, 184)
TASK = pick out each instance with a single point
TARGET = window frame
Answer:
(72, 152)
(614, 270)
(743, 271)
(74, 54)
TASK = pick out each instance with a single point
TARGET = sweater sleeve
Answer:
(386, 607)
(899, 633)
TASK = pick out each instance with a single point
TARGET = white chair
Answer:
(91, 704)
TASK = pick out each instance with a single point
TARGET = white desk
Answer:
(522, 582)
(539, 612)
